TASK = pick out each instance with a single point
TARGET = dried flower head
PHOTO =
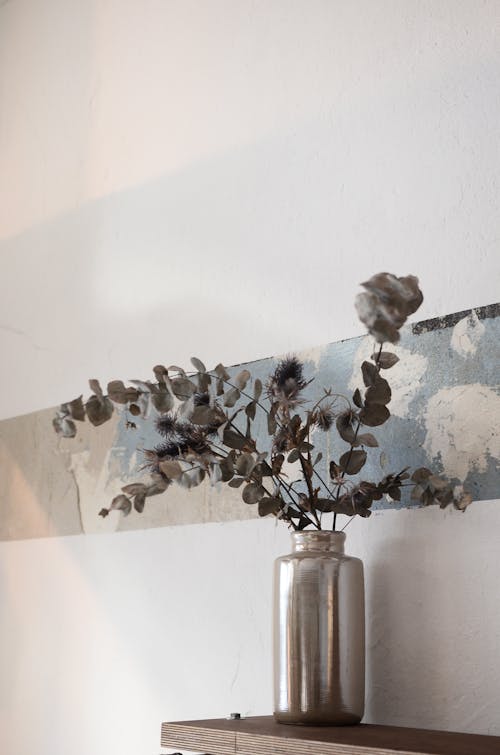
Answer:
(324, 417)
(285, 384)
(386, 304)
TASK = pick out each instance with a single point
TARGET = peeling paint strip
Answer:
(448, 321)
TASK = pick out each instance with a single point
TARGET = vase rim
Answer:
(318, 540)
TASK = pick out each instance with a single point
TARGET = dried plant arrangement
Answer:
(206, 422)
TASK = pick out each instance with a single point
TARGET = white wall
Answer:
(215, 178)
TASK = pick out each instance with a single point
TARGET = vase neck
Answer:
(321, 540)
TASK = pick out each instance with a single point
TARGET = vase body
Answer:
(319, 632)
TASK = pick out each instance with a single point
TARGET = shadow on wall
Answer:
(428, 631)
(240, 251)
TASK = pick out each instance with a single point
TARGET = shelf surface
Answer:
(261, 735)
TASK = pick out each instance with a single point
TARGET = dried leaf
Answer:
(95, 387)
(344, 426)
(203, 415)
(394, 492)
(231, 397)
(64, 426)
(160, 373)
(233, 439)
(134, 488)
(253, 492)
(174, 368)
(325, 505)
(139, 502)
(257, 389)
(356, 397)
(221, 372)
(379, 393)
(242, 379)
(198, 364)
(182, 387)
(370, 373)
(335, 470)
(121, 503)
(99, 410)
(226, 467)
(421, 474)
(76, 409)
(134, 410)
(385, 359)
(244, 464)
(271, 424)
(352, 461)
(367, 439)
(250, 410)
(162, 402)
(269, 506)
(277, 463)
(374, 415)
(235, 482)
(171, 469)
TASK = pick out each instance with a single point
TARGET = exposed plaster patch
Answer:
(404, 378)
(467, 335)
(314, 355)
(462, 428)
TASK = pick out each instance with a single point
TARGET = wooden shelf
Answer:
(263, 736)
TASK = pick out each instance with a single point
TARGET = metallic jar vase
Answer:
(319, 632)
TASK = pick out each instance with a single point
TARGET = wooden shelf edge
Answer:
(261, 735)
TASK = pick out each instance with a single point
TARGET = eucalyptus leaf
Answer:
(242, 379)
(374, 415)
(344, 426)
(99, 410)
(160, 373)
(171, 469)
(134, 488)
(139, 502)
(233, 439)
(183, 388)
(385, 359)
(64, 426)
(268, 506)
(221, 372)
(421, 474)
(352, 461)
(179, 370)
(379, 393)
(271, 424)
(253, 492)
(231, 397)
(257, 389)
(203, 415)
(244, 464)
(226, 467)
(121, 503)
(95, 387)
(162, 402)
(198, 364)
(367, 439)
(370, 373)
(76, 409)
(356, 397)
(250, 410)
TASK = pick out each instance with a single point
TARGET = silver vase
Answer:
(319, 632)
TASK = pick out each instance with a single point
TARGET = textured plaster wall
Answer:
(215, 178)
